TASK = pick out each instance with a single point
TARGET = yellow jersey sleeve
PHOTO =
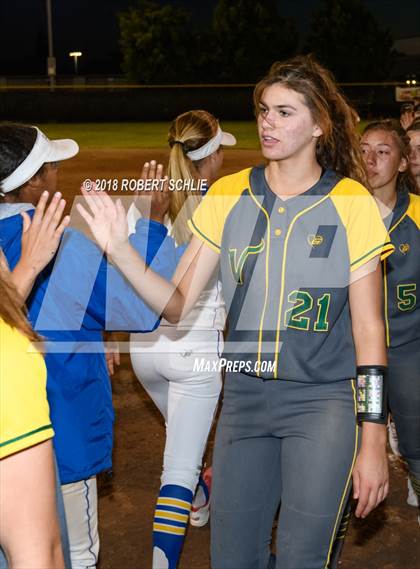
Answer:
(413, 210)
(367, 236)
(24, 410)
(209, 218)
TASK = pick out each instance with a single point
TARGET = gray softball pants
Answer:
(404, 401)
(281, 442)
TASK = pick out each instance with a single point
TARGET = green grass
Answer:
(137, 135)
(141, 134)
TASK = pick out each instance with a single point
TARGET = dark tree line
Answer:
(346, 37)
(162, 43)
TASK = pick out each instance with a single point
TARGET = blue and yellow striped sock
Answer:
(169, 526)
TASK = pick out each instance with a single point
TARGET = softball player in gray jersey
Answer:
(386, 151)
(298, 244)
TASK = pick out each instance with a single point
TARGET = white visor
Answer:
(220, 138)
(44, 150)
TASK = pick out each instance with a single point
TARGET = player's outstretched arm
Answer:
(108, 224)
(370, 474)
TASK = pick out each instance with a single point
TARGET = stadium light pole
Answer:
(51, 63)
(75, 55)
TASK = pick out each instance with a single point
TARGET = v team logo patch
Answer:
(237, 265)
(321, 241)
(404, 248)
(315, 240)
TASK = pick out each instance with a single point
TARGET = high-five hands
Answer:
(41, 236)
(40, 240)
(153, 204)
(106, 220)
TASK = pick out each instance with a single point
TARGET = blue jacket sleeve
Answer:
(128, 311)
(77, 268)
(86, 291)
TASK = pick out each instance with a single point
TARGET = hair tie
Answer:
(178, 142)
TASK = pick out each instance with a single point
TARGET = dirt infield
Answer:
(388, 539)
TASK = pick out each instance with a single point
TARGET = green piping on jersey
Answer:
(223, 203)
(25, 435)
(382, 246)
(204, 236)
(340, 194)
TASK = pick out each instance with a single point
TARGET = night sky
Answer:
(91, 26)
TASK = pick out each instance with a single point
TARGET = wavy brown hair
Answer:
(11, 304)
(188, 131)
(405, 180)
(338, 147)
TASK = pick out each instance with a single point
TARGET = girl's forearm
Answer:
(23, 278)
(370, 344)
(161, 295)
(371, 350)
(374, 435)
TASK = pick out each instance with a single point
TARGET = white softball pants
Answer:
(166, 362)
(81, 508)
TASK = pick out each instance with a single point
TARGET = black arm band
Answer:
(372, 394)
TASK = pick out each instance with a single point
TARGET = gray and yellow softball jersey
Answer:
(285, 268)
(402, 273)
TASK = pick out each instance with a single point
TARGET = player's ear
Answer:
(403, 165)
(317, 131)
(36, 181)
(216, 154)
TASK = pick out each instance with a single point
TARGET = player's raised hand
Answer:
(154, 203)
(40, 240)
(406, 119)
(106, 220)
(152, 171)
(41, 235)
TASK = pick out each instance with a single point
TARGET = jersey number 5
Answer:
(406, 294)
(302, 303)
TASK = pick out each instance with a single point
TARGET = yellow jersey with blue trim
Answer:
(24, 410)
(401, 273)
(285, 270)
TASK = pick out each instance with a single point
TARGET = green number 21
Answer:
(302, 303)
(406, 294)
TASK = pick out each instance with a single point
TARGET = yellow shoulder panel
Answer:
(367, 236)
(413, 210)
(209, 218)
(233, 184)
